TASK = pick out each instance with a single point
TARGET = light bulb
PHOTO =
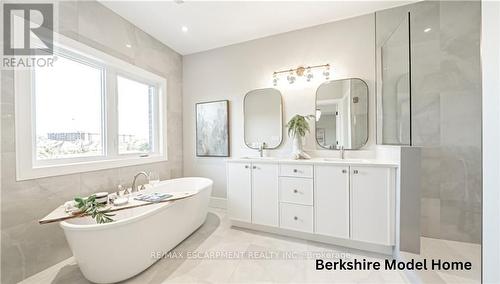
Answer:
(290, 78)
(326, 73)
(309, 75)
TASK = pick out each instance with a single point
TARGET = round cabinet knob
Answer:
(295, 191)
(344, 171)
(254, 167)
(246, 166)
(295, 218)
(295, 170)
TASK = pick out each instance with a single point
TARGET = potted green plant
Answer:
(298, 127)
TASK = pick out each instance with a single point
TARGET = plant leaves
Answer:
(298, 125)
(90, 206)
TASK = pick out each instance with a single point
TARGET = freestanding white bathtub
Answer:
(112, 252)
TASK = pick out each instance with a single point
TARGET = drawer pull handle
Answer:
(344, 171)
(356, 172)
(295, 218)
(254, 167)
(295, 170)
(295, 191)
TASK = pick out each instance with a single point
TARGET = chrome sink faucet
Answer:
(261, 149)
(342, 152)
(136, 188)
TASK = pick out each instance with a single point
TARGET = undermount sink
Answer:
(345, 160)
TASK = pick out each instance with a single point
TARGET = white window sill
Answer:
(73, 168)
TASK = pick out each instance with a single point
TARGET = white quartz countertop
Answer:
(314, 161)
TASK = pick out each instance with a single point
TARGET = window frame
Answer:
(27, 165)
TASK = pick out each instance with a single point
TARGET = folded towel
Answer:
(153, 197)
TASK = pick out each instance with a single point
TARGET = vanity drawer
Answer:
(296, 217)
(296, 190)
(305, 171)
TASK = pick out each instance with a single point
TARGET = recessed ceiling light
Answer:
(184, 29)
(427, 30)
(128, 45)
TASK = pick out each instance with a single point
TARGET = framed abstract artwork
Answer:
(212, 129)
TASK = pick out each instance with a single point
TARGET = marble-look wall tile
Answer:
(28, 247)
(103, 26)
(430, 221)
(445, 111)
(446, 105)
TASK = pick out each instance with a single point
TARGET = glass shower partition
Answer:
(393, 95)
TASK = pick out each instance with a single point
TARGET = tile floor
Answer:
(449, 251)
(216, 235)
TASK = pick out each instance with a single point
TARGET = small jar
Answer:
(101, 197)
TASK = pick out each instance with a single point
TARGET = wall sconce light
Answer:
(301, 71)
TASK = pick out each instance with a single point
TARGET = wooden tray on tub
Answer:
(60, 214)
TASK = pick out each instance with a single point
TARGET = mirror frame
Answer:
(367, 117)
(281, 119)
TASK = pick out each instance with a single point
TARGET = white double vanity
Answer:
(336, 201)
(349, 202)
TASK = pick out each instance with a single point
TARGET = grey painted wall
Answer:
(230, 72)
(28, 247)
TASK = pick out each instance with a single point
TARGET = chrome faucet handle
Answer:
(121, 191)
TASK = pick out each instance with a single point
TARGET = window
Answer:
(135, 113)
(89, 111)
(68, 110)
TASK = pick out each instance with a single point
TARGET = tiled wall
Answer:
(28, 247)
(446, 112)
(446, 116)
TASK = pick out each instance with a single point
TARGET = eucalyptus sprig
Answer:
(298, 125)
(89, 206)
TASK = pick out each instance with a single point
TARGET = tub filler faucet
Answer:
(137, 188)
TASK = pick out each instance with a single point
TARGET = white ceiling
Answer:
(215, 24)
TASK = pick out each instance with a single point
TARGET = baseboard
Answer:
(218, 202)
(380, 249)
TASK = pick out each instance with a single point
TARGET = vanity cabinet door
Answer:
(265, 194)
(372, 204)
(331, 200)
(239, 184)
